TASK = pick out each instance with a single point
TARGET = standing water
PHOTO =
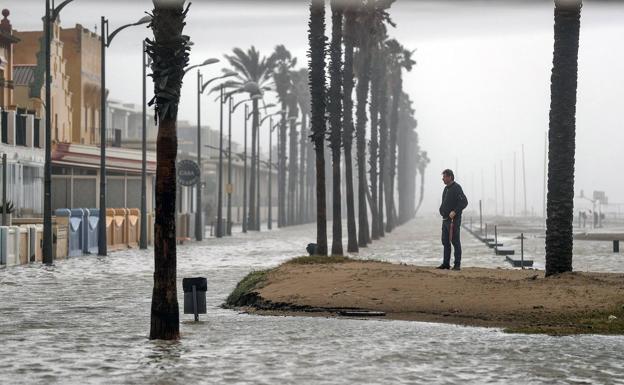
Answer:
(86, 320)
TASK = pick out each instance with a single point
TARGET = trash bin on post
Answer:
(91, 223)
(195, 295)
(75, 232)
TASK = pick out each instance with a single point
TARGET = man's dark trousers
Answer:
(446, 242)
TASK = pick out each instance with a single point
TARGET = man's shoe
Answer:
(443, 267)
(455, 268)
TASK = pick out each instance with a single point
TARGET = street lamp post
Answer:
(269, 195)
(220, 185)
(199, 223)
(271, 128)
(245, 173)
(105, 43)
(143, 238)
(247, 114)
(51, 14)
(229, 187)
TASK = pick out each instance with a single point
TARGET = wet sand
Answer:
(518, 300)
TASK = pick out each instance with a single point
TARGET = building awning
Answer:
(118, 159)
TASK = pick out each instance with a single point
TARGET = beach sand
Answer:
(518, 300)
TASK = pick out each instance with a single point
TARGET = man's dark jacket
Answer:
(453, 199)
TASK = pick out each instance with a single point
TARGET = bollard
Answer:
(495, 238)
(195, 296)
(522, 250)
(616, 246)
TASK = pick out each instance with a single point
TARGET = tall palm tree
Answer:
(335, 121)
(284, 62)
(378, 21)
(373, 146)
(423, 162)
(363, 82)
(561, 135)
(302, 92)
(350, 31)
(254, 76)
(399, 59)
(169, 52)
(293, 114)
(383, 135)
(316, 65)
(408, 160)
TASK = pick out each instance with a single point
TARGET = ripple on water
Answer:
(86, 320)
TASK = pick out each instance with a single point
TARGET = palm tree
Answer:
(335, 121)
(316, 65)
(302, 92)
(408, 160)
(348, 129)
(284, 62)
(423, 162)
(363, 76)
(254, 76)
(561, 135)
(169, 52)
(374, 139)
(399, 59)
(293, 113)
(383, 135)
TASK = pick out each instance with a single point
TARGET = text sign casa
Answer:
(188, 173)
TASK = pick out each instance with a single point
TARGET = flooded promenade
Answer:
(86, 320)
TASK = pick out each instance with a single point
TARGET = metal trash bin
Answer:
(195, 300)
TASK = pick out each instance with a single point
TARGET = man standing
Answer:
(453, 203)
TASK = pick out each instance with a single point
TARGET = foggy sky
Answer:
(481, 86)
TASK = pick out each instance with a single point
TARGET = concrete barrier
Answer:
(91, 224)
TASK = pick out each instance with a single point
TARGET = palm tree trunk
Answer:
(302, 161)
(282, 171)
(316, 36)
(383, 140)
(169, 52)
(311, 183)
(360, 129)
(374, 142)
(394, 123)
(252, 221)
(561, 135)
(293, 112)
(347, 135)
(335, 119)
